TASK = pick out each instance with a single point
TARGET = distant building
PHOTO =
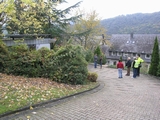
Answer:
(129, 45)
(33, 41)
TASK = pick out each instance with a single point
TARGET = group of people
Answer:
(135, 64)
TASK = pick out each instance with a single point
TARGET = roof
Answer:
(135, 43)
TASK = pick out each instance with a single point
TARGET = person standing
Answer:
(140, 60)
(95, 60)
(128, 65)
(135, 67)
(100, 61)
(120, 68)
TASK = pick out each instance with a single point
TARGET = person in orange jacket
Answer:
(120, 67)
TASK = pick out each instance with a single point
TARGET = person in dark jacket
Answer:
(95, 60)
(100, 61)
(128, 65)
(120, 67)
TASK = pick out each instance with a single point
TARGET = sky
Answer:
(112, 8)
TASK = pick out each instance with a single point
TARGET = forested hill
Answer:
(148, 23)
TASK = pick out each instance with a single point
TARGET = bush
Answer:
(24, 62)
(70, 65)
(4, 56)
(66, 65)
(92, 77)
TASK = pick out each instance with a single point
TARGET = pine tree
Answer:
(155, 59)
(120, 58)
(98, 51)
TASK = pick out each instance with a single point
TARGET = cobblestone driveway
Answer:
(115, 99)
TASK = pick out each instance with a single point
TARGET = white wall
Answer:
(39, 46)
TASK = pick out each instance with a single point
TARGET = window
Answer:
(114, 53)
(134, 54)
(147, 56)
(119, 54)
(125, 54)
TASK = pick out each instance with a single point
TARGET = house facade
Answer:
(129, 45)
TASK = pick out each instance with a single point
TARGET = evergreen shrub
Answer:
(155, 59)
(71, 65)
(66, 65)
(4, 56)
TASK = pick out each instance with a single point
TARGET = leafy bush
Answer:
(71, 66)
(92, 77)
(66, 65)
(24, 62)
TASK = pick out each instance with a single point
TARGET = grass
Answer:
(17, 92)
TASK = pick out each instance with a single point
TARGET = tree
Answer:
(88, 31)
(98, 51)
(6, 8)
(155, 59)
(120, 58)
(37, 17)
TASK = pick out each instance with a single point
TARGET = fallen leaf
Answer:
(31, 108)
(28, 117)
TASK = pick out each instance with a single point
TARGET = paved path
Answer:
(115, 99)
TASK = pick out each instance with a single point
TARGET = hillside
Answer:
(141, 23)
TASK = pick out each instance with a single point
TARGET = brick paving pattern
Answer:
(115, 99)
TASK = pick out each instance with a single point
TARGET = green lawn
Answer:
(17, 92)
